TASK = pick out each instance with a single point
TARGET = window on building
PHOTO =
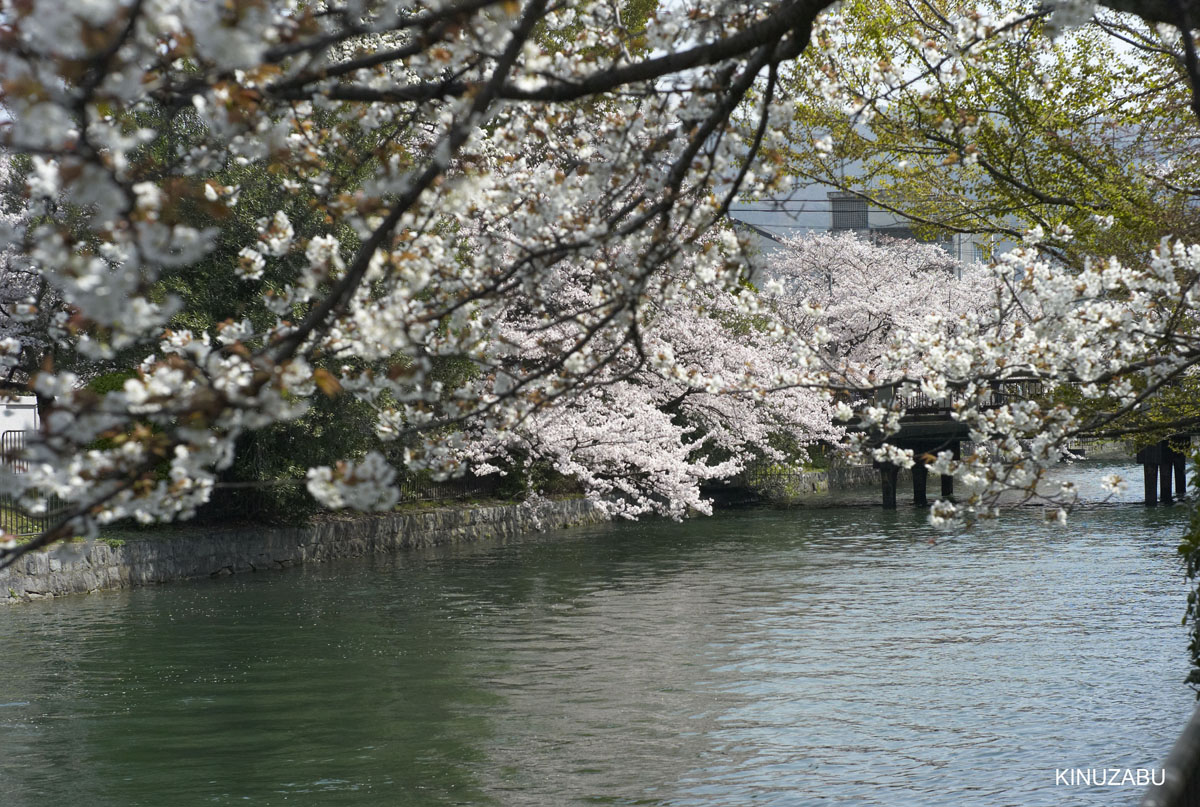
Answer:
(849, 212)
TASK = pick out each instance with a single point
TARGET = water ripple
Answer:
(814, 657)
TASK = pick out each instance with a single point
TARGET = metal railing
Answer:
(12, 443)
(14, 519)
(466, 487)
(918, 403)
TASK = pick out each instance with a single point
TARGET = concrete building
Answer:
(822, 208)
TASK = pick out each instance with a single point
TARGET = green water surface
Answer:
(829, 655)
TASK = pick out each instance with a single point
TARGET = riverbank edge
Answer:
(255, 548)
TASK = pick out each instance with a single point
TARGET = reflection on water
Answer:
(818, 656)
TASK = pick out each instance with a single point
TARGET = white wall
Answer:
(19, 413)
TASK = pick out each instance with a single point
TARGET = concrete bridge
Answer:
(927, 428)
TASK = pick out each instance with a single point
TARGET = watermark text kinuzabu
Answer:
(1109, 777)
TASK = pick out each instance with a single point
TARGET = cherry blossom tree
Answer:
(865, 293)
(706, 388)
(950, 124)
(479, 160)
(23, 303)
(1119, 334)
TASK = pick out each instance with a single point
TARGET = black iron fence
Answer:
(14, 519)
(466, 487)
(12, 443)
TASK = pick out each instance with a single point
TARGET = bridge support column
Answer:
(947, 480)
(1150, 476)
(1180, 474)
(889, 473)
(1166, 472)
(1155, 468)
(920, 476)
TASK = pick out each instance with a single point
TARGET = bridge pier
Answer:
(1162, 468)
(920, 475)
(1150, 481)
(947, 480)
(889, 474)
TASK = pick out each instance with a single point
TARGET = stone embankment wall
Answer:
(853, 476)
(805, 487)
(796, 488)
(245, 549)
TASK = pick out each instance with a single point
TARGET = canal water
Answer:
(828, 655)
